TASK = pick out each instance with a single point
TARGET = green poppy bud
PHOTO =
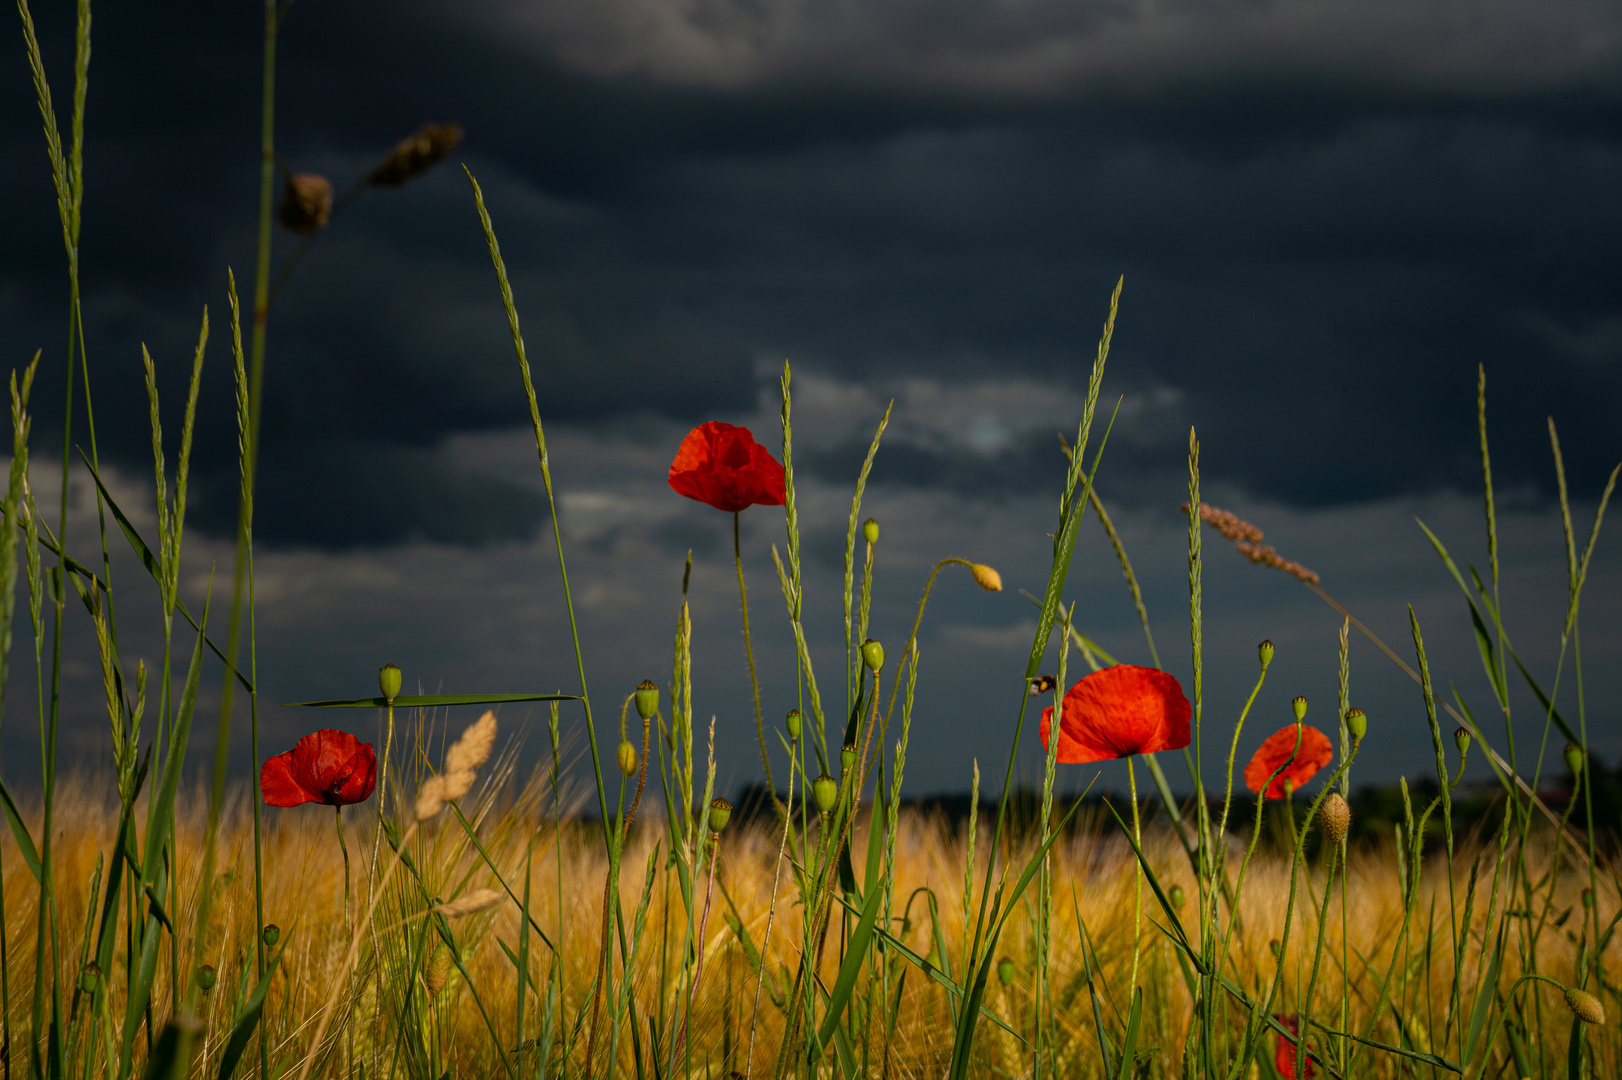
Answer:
(90, 978)
(1265, 651)
(271, 934)
(720, 814)
(206, 977)
(626, 756)
(1574, 758)
(795, 723)
(1588, 898)
(1006, 971)
(872, 654)
(1357, 723)
(825, 792)
(647, 699)
(388, 681)
(1461, 739)
(1178, 897)
(847, 759)
(1299, 704)
(870, 531)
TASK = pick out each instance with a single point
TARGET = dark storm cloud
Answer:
(1324, 228)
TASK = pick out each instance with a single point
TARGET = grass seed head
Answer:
(1335, 817)
(473, 748)
(1585, 1006)
(388, 681)
(306, 204)
(985, 577)
(416, 154)
(647, 699)
(475, 901)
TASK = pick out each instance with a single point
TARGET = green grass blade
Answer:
(247, 1020)
(25, 843)
(1129, 1045)
(855, 960)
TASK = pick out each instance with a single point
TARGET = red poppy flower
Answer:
(1314, 754)
(1120, 711)
(328, 766)
(722, 465)
(1284, 1051)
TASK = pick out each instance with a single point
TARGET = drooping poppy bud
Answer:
(870, 531)
(1335, 817)
(1461, 739)
(825, 791)
(1265, 651)
(1006, 971)
(795, 723)
(647, 699)
(1299, 705)
(306, 204)
(271, 934)
(206, 977)
(847, 758)
(1585, 1006)
(388, 681)
(872, 654)
(1178, 897)
(1574, 758)
(985, 577)
(720, 814)
(626, 757)
(1357, 724)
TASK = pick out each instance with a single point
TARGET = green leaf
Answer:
(855, 960)
(248, 1018)
(1129, 1048)
(1574, 1050)
(1478, 1016)
(25, 843)
(414, 701)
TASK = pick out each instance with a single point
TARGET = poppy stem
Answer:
(344, 847)
(1137, 873)
(749, 651)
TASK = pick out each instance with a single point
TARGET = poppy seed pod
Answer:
(1006, 971)
(720, 814)
(1357, 723)
(985, 577)
(647, 699)
(90, 978)
(1335, 817)
(1585, 1006)
(1461, 739)
(388, 681)
(1299, 705)
(872, 654)
(795, 723)
(1178, 897)
(1265, 651)
(206, 977)
(870, 531)
(1574, 758)
(825, 792)
(271, 934)
(847, 758)
(626, 757)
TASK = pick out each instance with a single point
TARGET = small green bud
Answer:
(1574, 758)
(271, 934)
(1178, 897)
(1461, 739)
(1299, 705)
(1588, 898)
(647, 699)
(1006, 971)
(720, 814)
(847, 759)
(90, 978)
(626, 756)
(1275, 948)
(388, 681)
(872, 654)
(1265, 651)
(206, 977)
(870, 531)
(795, 723)
(825, 791)
(1357, 723)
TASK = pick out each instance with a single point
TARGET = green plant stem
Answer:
(749, 652)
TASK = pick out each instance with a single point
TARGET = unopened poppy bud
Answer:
(872, 654)
(985, 577)
(1357, 724)
(206, 977)
(1585, 1006)
(438, 972)
(1265, 651)
(1461, 739)
(626, 756)
(647, 699)
(306, 204)
(388, 681)
(1299, 705)
(870, 531)
(795, 723)
(1574, 758)
(825, 791)
(1006, 971)
(90, 978)
(720, 814)
(271, 934)
(1588, 898)
(1178, 897)
(1335, 817)
(847, 758)
(1043, 684)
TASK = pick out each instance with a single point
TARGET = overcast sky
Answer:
(1327, 214)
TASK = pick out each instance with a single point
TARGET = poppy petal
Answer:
(278, 785)
(1275, 755)
(721, 465)
(1120, 711)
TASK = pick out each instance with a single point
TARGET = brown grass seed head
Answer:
(306, 203)
(416, 154)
